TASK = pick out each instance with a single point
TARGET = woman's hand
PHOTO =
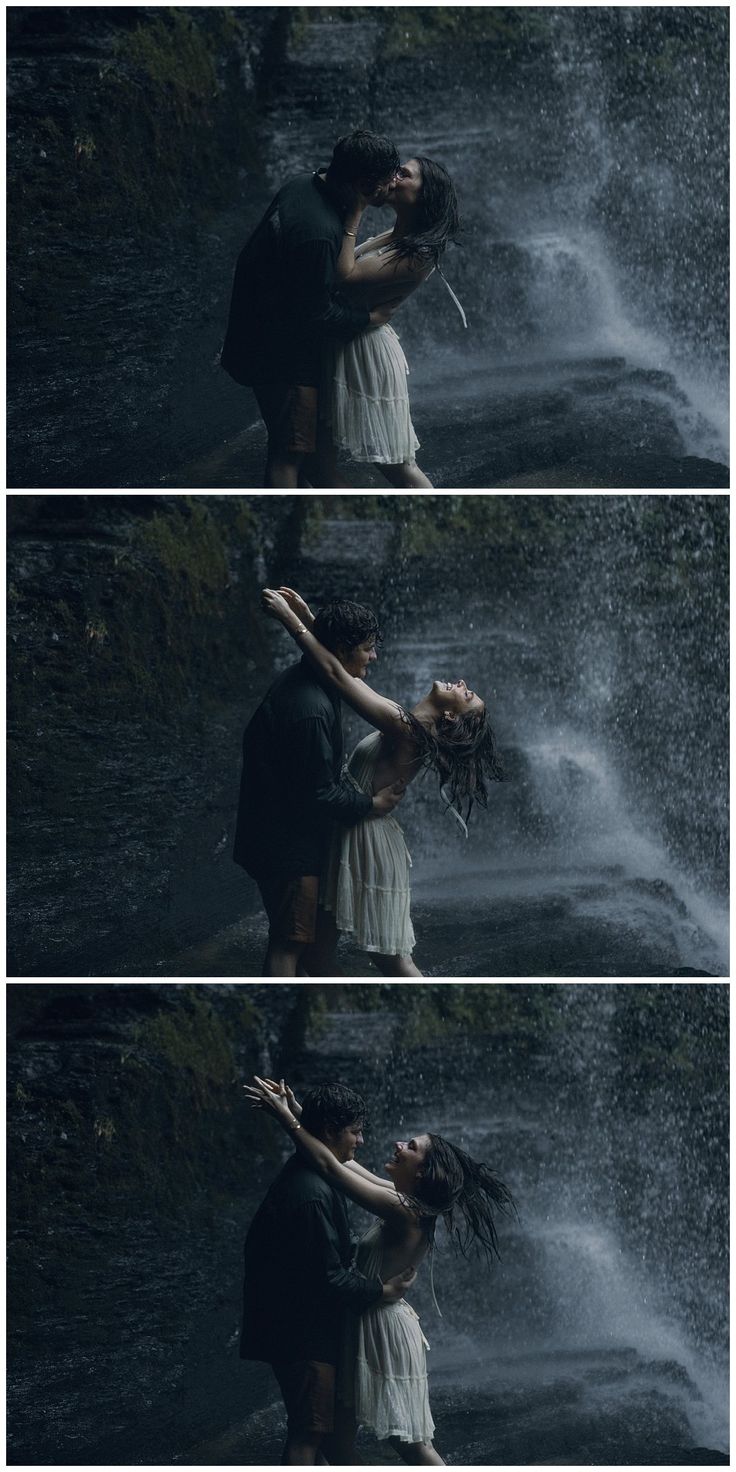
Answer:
(263, 1097)
(297, 605)
(277, 607)
(356, 205)
(286, 1093)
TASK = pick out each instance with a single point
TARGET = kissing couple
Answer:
(309, 326)
(345, 1346)
(322, 843)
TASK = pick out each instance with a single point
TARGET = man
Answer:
(292, 790)
(298, 1280)
(284, 306)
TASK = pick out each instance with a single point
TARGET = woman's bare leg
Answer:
(396, 966)
(417, 1453)
(406, 475)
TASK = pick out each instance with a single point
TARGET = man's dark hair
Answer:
(343, 624)
(365, 157)
(331, 1106)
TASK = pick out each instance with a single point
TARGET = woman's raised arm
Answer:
(359, 1186)
(385, 715)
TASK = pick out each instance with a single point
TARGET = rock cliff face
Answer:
(133, 155)
(595, 626)
(134, 642)
(590, 153)
(130, 1149)
(134, 1170)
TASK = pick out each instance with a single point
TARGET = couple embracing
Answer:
(322, 843)
(309, 327)
(346, 1348)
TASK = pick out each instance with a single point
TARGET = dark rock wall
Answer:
(133, 154)
(136, 649)
(134, 1169)
(129, 1146)
(144, 142)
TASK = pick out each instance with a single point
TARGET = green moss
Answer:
(506, 28)
(195, 1042)
(173, 55)
(165, 124)
(187, 545)
(428, 1012)
(406, 31)
(160, 1128)
(432, 1012)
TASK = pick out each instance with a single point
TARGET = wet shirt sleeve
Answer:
(314, 295)
(315, 775)
(321, 1255)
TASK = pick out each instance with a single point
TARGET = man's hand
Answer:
(387, 798)
(383, 313)
(395, 1288)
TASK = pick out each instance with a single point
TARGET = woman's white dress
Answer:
(366, 396)
(383, 1371)
(366, 880)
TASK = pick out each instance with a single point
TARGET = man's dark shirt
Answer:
(298, 1278)
(291, 790)
(284, 305)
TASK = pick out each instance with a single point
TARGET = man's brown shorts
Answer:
(308, 1388)
(291, 906)
(289, 411)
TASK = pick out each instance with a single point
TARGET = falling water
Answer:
(601, 1336)
(590, 159)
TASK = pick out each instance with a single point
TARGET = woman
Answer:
(366, 883)
(382, 1382)
(366, 395)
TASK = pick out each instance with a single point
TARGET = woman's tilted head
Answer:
(405, 1165)
(424, 192)
(455, 698)
(455, 738)
(437, 1178)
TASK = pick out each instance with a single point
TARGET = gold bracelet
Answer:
(295, 1125)
(297, 632)
(354, 233)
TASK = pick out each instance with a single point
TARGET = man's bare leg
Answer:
(300, 1452)
(339, 1446)
(320, 959)
(281, 960)
(282, 474)
(324, 470)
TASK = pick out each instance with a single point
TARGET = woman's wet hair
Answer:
(465, 1193)
(463, 753)
(332, 1106)
(343, 624)
(363, 157)
(436, 220)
